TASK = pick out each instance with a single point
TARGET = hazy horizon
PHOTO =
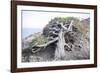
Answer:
(28, 31)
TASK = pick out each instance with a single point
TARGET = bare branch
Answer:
(70, 26)
(65, 28)
(34, 51)
(50, 42)
(43, 45)
(67, 45)
(53, 33)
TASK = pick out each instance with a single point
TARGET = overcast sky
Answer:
(38, 19)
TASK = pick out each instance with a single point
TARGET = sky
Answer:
(38, 19)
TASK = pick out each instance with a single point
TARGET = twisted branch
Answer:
(43, 45)
(54, 40)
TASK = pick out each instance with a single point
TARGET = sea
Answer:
(28, 31)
